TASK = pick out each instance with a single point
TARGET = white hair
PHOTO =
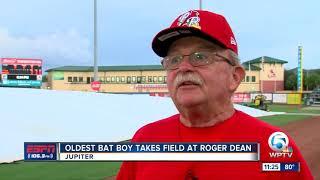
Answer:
(234, 57)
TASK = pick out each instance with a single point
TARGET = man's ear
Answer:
(238, 75)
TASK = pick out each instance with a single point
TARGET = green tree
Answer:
(312, 81)
(290, 80)
(44, 78)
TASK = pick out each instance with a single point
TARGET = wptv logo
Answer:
(279, 143)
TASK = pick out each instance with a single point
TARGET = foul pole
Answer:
(300, 71)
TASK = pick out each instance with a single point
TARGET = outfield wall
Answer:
(277, 98)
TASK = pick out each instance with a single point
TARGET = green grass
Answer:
(281, 120)
(292, 108)
(58, 170)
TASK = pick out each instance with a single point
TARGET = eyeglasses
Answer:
(195, 59)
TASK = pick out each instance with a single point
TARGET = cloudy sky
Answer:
(61, 31)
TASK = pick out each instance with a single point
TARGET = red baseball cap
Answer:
(204, 24)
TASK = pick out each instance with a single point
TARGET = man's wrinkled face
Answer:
(189, 85)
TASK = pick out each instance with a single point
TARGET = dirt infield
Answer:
(306, 134)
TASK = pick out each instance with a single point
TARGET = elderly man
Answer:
(200, 56)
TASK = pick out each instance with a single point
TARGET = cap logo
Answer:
(233, 41)
(190, 19)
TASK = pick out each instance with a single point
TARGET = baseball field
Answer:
(302, 123)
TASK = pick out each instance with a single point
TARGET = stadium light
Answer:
(95, 43)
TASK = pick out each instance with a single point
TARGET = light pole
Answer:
(95, 43)
(200, 4)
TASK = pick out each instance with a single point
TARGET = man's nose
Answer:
(185, 64)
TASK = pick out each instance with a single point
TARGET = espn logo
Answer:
(40, 151)
(50, 148)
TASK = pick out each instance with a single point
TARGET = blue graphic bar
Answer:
(158, 147)
(293, 167)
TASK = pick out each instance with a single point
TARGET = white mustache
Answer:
(187, 77)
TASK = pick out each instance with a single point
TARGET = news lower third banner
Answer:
(110, 151)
